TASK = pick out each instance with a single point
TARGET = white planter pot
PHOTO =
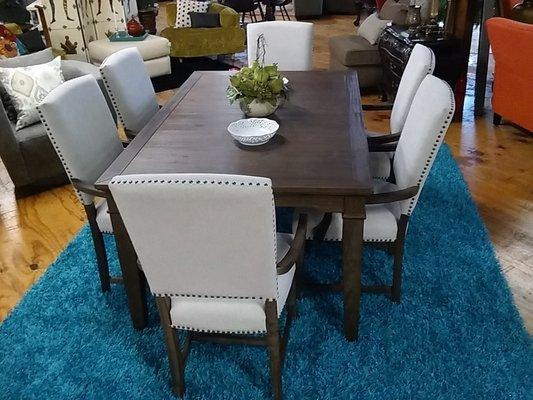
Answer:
(258, 109)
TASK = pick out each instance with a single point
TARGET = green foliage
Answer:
(263, 83)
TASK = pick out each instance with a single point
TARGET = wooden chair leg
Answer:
(396, 289)
(261, 12)
(99, 247)
(175, 356)
(273, 347)
(286, 13)
(496, 119)
(299, 275)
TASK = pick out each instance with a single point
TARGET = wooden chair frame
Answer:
(276, 344)
(98, 238)
(395, 248)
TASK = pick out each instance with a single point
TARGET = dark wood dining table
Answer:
(318, 159)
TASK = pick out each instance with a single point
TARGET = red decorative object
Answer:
(6, 34)
(134, 27)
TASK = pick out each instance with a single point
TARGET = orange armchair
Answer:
(512, 46)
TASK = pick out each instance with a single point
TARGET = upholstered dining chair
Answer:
(129, 87)
(389, 208)
(83, 132)
(211, 256)
(421, 63)
(289, 44)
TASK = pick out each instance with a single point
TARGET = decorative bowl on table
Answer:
(253, 131)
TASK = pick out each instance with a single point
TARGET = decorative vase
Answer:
(134, 27)
(523, 12)
(258, 108)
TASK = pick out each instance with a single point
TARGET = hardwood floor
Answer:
(497, 163)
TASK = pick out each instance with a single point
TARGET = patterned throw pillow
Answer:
(28, 86)
(184, 7)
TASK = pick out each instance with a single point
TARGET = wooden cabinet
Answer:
(395, 47)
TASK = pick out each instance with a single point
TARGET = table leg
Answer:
(134, 281)
(353, 219)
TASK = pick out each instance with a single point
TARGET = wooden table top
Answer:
(320, 147)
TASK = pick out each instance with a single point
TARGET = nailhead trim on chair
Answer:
(433, 153)
(58, 151)
(201, 296)
(112, 97)
(188, 328)
(366, 241)
(205, 182)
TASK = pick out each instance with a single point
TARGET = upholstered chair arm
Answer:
(390, 197)
(297, 246)
(377, 107)
(229, 18)
(393, 137)
(382, 147)
(171, 11)
(10, 151)
(88, 188)
(74, 69)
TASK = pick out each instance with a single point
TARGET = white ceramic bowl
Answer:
(253, 131)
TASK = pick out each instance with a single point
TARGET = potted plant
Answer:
(259, 89)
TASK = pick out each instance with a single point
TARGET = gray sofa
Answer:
(354, 52)
(27, 154)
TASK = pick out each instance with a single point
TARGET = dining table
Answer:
(318, 159)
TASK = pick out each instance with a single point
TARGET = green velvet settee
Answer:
(201, 42)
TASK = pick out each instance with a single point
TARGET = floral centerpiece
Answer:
(259, 89)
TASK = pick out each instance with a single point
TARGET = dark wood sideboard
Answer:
(395, 47)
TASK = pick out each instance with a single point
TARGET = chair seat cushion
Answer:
(380, 223)
(231, 315)
(102, 218)
(150, 48)
(354, 50)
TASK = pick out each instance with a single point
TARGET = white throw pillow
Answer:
(372, 27)
(184, 7)
(28, 86)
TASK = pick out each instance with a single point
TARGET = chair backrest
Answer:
(427, 123)
(128, 84)
(81, 128)
(201, 235)
(421, 63)
(288, 43)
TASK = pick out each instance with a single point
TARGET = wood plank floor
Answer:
(497, 163)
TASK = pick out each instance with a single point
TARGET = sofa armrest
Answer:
(10, 152)
(74, 69)
(171, 10)
(228, 16)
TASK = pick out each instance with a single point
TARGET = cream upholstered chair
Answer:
(288, 43)
(389, 208)
(421, 63)
(83, 132)
(129, 87)
(211, 256)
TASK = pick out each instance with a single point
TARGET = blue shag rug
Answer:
(455, 335)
